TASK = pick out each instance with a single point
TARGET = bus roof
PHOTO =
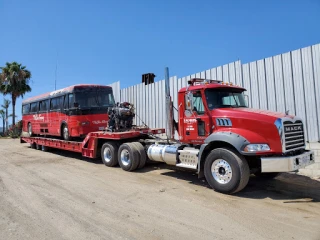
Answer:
(63, 91)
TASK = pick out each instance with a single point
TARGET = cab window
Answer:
(198, 103)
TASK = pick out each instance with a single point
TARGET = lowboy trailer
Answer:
(220, 138)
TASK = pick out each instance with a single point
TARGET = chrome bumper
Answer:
(287, 164)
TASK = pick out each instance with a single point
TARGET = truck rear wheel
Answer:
(142, 153)
(128, 157)
(226, 171)
(109, 154)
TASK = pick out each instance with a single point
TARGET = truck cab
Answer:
(214, 118)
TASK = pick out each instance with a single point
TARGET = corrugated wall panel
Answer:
(143, 104)
(238, 72)
(153, 105)
(311, 111)
(271, 93)
(316, 75)
(299, 87)
(262, 85)
(184, 82)
(156, 103)
(232, 73)
(288, 83)
(278, 78)
(254, 85)
(246, 81)
(208, 74)
(225, 73)
(198, 75)
(219, 73)
(214, 74)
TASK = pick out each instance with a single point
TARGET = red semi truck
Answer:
(219, 137)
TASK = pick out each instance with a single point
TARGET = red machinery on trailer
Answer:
(219, 137)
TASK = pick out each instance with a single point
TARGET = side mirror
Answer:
(189, 102)
(76, 104)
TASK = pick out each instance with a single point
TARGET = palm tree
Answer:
(14, 80)
(5, 106)
(2, 115)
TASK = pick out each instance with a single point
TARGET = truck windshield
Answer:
(94, 98)
(224, 98)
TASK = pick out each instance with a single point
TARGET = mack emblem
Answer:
(293, 128)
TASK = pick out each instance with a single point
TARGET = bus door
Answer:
(44, 116)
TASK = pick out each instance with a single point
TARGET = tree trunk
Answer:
(6, 122)
(3, 126)
(14, 109)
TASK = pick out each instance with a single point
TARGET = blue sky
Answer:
(103, 41)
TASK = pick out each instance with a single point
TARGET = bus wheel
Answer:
(65, 132)
(109, 154)
(128, 157)
(30, 129)
(226, 171)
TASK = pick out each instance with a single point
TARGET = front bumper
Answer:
(288, 163)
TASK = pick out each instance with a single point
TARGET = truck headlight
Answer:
(257, 148)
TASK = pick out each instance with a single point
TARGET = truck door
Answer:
(196, 120)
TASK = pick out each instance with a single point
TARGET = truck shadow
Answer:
(289, 187)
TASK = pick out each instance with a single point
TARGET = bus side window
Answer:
(25, 109)
(43, 106)
(71, 100)
(65, 102)
(54, 105)
(34, 107)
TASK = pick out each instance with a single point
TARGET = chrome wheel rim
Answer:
(125, 157)
(221, 171)
(107, 154)
(29, 129)
(65, 133)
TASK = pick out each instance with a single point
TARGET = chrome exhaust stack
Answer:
(169, 107)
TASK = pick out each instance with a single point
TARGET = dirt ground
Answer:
(60, 195)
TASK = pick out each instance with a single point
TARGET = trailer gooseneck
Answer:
(219, 137)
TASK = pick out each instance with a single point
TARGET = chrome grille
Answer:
(293, 135)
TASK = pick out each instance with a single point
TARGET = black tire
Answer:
(65, 132)
(130, 157)
(38, 147)
(225, 160)
(30, 130)
(142, 153)
(109, 154)
(266, 176)
(33, 145)
(44, 148)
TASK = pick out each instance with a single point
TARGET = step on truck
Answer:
(215, 135)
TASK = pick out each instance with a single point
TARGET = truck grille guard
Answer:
(291, 132)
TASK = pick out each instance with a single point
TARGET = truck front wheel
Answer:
(226, 171)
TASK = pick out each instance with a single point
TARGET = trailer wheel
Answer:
(38, 147)
(30, 129)
(65, 132)
(128, 157)
(226, 171)
(33, 145)
(142, 153)
(109, 154)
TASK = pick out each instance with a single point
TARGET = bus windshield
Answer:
(224, 98)
(94, 98)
